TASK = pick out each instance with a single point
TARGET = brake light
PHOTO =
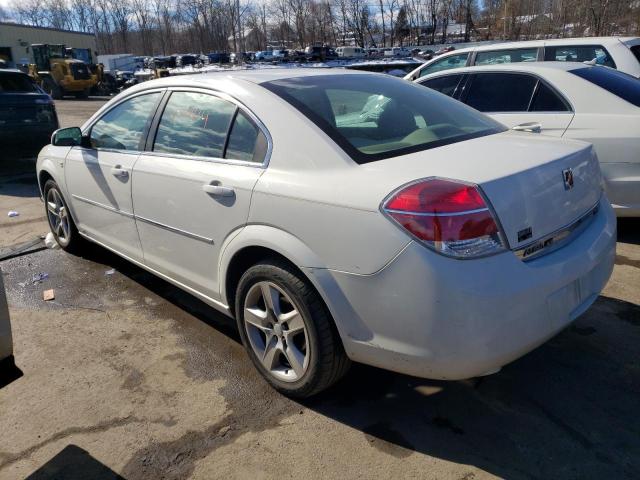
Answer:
(448, 216)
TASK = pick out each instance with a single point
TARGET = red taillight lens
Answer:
(448, 216)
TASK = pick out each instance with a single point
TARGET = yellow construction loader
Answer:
(58, 74)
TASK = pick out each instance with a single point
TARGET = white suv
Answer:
(622, 53)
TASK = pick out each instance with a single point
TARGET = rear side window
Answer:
(122, 127)
(581, 53)
(452, 61)
(446, 84)
(194, 124)
(620, 84)
(16, 83)
(546, 100)
(246, 141)
(500, 92)
(507, 56)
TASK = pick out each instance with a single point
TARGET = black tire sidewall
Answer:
(277, 275)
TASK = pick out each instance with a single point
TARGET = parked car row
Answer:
(594, 101)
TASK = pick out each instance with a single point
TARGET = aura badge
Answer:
(567, 176)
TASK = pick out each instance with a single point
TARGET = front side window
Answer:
(452, 61)
(500, 92)
(194, 124)
(123, 126)
(446, 84)
(373, 117)
(507, 56)
(579, 53)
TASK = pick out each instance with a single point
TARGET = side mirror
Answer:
(68, 137)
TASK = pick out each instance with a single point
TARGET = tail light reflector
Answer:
(448, 216)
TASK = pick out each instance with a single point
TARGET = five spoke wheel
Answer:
(58, 216)
(276, 331)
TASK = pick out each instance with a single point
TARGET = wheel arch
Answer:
(47, 171)
(43, 175)
(254, 243)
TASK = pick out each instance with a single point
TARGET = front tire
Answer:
(287, 330)
(60, 221)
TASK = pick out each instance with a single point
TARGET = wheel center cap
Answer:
(277, 329)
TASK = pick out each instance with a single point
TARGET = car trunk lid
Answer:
(536, 185)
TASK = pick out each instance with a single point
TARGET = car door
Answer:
(520, 101)
(192, 187)
(99, 177)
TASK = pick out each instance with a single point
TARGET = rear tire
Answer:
(60, 221)
(298, 350)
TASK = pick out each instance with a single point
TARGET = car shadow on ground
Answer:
(9, 371)
(629, 230)
(566, 410)
(23, 185)
(74, 463)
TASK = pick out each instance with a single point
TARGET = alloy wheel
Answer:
(276, 331)
(58, 216)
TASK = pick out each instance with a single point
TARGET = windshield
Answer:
(373, 117)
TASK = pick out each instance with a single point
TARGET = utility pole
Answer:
(504, 22)
(239, 53)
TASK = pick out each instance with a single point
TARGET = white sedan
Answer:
(571, 100)
(340, 216)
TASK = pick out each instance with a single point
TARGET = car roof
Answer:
(256, 76)
(539, 43)
(519, 67)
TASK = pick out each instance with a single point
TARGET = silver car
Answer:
(340, 216)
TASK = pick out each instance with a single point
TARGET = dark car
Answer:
(315, 54)
(218, 57)
(185, 60)
(27, 114)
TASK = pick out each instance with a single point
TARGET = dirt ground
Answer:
(125, 376)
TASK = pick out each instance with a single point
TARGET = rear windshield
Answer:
(620, 84)
(16, 82)
(373, 117)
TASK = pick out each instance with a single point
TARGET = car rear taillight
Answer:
(448, 216)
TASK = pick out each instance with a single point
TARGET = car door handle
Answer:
(119, 172)
(218, 190)
(533, 127)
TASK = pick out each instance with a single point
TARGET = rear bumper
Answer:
(435, 317)
(69, 84)
(32, 137)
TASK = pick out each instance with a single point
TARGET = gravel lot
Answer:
(125, 376)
